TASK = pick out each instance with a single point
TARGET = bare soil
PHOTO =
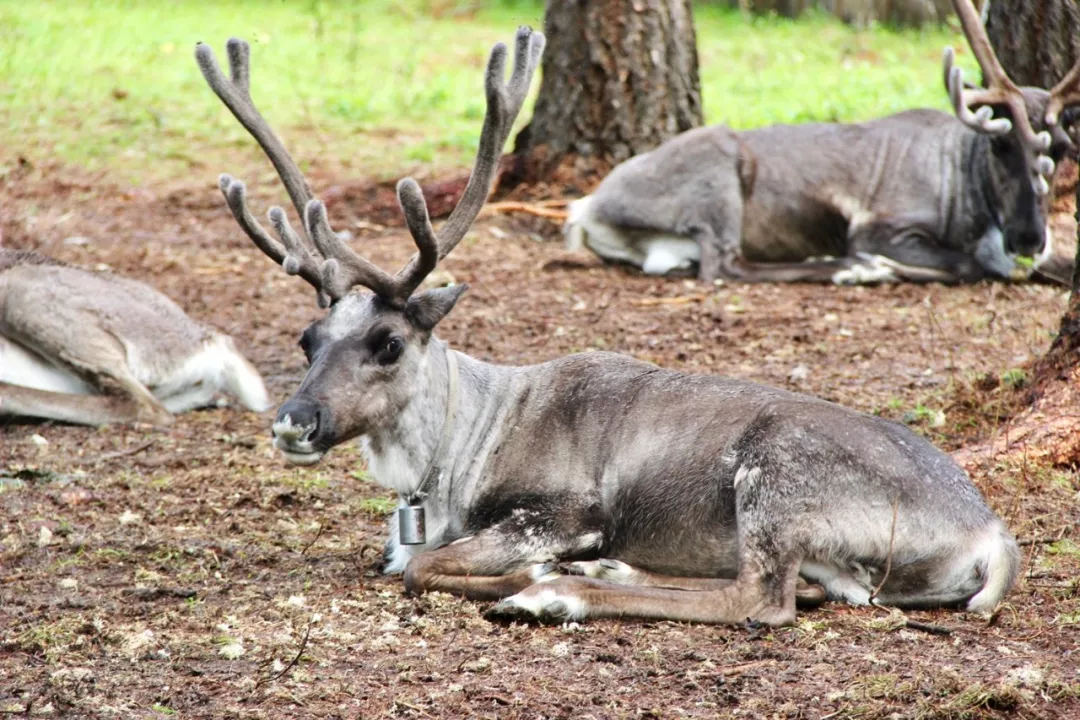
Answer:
(188, 571)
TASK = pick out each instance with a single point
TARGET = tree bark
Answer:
(1065, 351)
(619, 78)
(1037, 41)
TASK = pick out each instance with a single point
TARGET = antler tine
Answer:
(504, 101)
(982, 119)
(1000, 90)
(343, 269)
(993, 73)
(1064, 94)
(234, 93)
(339, 268)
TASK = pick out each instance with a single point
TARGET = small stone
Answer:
(45, 536)
(69, 584)
(231, 651)
(799, 374)
(129, 518)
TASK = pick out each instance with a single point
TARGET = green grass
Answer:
(379, 87)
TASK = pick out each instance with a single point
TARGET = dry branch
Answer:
(677, 300)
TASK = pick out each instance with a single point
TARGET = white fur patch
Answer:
(838, 583)
(1047, 251)
(544, 572)
(666, 253)
(19, 366)
(655, 254)
(870, 270)
(746, 476)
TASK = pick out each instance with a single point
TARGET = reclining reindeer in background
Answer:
(94, 348)
(685, 497)
(920, 195)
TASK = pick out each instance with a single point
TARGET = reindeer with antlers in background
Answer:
(921, 195)
(660, 494)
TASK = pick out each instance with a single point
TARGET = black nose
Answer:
(1025, 242)
(299, 420)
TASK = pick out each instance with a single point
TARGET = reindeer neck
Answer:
(399, 455)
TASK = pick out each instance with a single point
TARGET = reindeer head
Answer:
(1028, 133)
(367, 354)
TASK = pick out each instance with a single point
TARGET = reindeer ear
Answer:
(431, 306)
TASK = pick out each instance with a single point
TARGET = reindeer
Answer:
(597, 485)
(919, 196)
(95, 348)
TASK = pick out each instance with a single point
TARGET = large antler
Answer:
(323, 259)
(1000, 90)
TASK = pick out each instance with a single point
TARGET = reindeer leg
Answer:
(723, 258)
(807, 595)
(19, 401)
(770, 555)
(906, 247)
(763, 592)
(492, 564)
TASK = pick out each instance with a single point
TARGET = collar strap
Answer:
(434, 471)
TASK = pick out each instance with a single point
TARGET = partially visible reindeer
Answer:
(685, 497)
(920, 195)
(95, 348)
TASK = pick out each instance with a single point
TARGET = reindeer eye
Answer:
(391, 351)
(305, 345)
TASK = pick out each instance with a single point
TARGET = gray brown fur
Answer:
(96, 348)
(596, 485)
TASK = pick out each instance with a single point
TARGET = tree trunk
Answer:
(619, 78)
(1065, 352)
(1037, 41)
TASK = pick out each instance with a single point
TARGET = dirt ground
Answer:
(189, 572)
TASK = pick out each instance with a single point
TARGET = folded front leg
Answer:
(763, 592)
(494, 563)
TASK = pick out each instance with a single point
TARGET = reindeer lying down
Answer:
(663, 495)
(95, 348)
(920, 195)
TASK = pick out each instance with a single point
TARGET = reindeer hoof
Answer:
(539, 603)
(606, 569)
(809, 595)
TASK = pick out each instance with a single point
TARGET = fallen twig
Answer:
(295, 660)
(888, 559)
(410, 706)
(927, 627)
(148, 594)
(497, 698)
(540, 209)
(124, 453)
(319, 534)
(677, 300)
(1037, 541)
(739, 669)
